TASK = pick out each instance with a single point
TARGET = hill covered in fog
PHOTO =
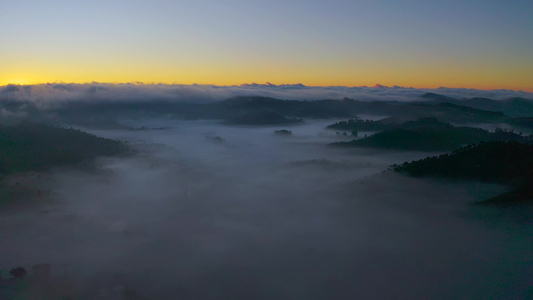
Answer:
(513, 106)
(211, 195)
(93, 109)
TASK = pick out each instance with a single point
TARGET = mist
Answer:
(206, 211)
(50, 95)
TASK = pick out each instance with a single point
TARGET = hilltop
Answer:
(508, 163)
(38, 147)
(427, 135)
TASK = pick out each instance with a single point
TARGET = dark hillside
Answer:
(496, 162)
(36, 147)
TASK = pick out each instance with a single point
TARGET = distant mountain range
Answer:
(265, 110)
(514, 107)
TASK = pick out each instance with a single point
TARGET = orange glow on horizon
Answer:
(18, 81)
(195, 43)
(24, 82)
(227, 71)
(310, 76)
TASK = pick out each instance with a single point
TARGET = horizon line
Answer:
(254, 84)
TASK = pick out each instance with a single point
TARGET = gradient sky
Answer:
(424, 44)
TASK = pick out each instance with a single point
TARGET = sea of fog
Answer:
(206, 211)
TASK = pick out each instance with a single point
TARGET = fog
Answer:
(48, 96)
(254, 215)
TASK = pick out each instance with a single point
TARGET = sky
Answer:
(421, 44)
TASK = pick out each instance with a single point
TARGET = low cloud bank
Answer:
(59, 92)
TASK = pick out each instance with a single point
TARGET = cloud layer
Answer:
(46, 93)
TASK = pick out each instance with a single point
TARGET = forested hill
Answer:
(36, 147)
(427, 135)
(515, 107)
(238, 110)
(497, 162)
